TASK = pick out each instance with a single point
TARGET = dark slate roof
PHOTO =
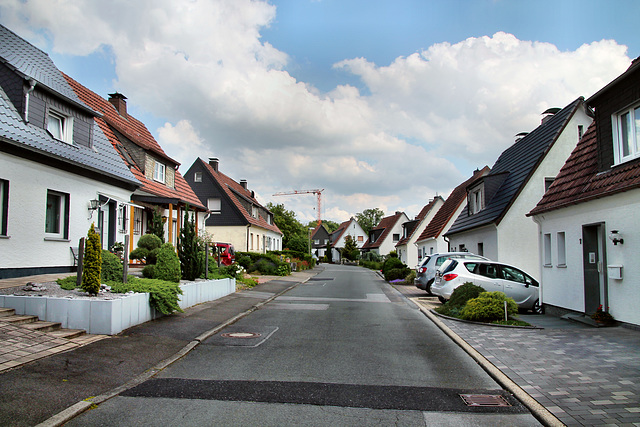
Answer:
(102, 158)
(385, 225)
(579, 180)
(338, 232)
(514, 167)
(450, 206)
(32, 63)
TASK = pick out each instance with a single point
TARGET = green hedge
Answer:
(163, 295)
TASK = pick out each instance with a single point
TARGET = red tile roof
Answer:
(386, 224)
(137, 132)
(450, 206)
(579, 181)
(235, 191)
(425, 210)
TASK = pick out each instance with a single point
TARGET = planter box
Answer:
(110, 317)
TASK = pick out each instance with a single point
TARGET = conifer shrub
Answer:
(459, 298)
(489, 307)
(92, 264)
(112, 269)
(191, 249)
(149, 271)
(393, 263)
(163, 295)
(167, 264)
(397, 273)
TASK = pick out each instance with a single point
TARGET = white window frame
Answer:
(159, 172)
(60, 222)
(476, 200)
(197, 177)
(4, 207)
(64, 131)
(214, 204)
(546, 242)
(634, 132)
(561, 243)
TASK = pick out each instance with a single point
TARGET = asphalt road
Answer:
(345, 348)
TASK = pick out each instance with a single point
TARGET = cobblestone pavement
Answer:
(585, 376)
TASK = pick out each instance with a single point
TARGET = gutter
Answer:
(32, 86)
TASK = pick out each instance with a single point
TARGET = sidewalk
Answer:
(584, 376)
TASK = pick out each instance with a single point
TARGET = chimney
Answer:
(213, 161)
(118, 101)
(548, 113)
(243, 183)
(521, 135)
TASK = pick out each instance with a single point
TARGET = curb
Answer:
(76, 409)
(540, 412)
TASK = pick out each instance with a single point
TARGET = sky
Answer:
(382, 104)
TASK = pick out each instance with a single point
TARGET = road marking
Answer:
(294, 306)
(378, 298)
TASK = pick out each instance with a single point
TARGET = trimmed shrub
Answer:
(264, 266)
(167, 264)
(244, 261)
(139, 253)
(488, 307)
(408, 280)
(373, 265)
(112, 269)
(397, 273)
(163, 295)
(149, 242)
(390, 263)
(92, 264)
(459, 298)
(149, 271)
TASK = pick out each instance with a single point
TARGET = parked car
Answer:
(490, 275)
(426, 269)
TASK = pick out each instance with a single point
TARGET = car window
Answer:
(487, 270)
(471, 267)
(441, 260)
(447, 266)
(512, 274)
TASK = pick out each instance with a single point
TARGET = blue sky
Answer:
(381, 103)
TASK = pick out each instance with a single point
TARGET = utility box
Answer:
(615, 272)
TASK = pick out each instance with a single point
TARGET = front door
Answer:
(593, 265)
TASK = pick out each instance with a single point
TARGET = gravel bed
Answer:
(53, 290)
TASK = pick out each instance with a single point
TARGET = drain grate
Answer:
(240, 335)
(484, 400)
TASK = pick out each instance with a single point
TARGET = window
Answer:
(360, 238)
(476, 200)
(396, 237)
(213, 204)
(481, 248)
(57, 215)
(197, 177)
(158, 172)
(580, 131)
(4, 206)
(60, 126)
(627, 135)
(562, 254)
(547, 183)
(122, 219)
(462, 248)
(547, 250)
(137, 221)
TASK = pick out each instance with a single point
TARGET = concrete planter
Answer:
(110, 317)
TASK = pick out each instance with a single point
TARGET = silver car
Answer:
(426, 269)
(490, 275)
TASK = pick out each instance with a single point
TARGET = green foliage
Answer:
(390, 263)
(488, 307)
(290, 227)
(392, 254)
(328, 253)
(244, 261)
(298, 243)
(92, 264)
(397, 273)
(168, 264)
(117, 249)
(149, 242)
(191, 249)
(163, 294)
(147, 250)
(149, 271)
(372, 256)
(268, 264)
(156, 225)
(112, 269)
(350, 250)
(459, 298)
(139, 253)
(408, 280)
(283, 270)
(68, 283)
(373, 265)
(369, 218)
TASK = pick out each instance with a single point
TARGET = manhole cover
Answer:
(240, 335)
(484, 400)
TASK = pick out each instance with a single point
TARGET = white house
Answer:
(406, 247)
(588, 220)
(56, 165)
(351, 228)
(431, 239)
(494, 222)
(384, 236)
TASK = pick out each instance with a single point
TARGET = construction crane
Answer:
(317, 192)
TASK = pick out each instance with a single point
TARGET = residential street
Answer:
(344, 348)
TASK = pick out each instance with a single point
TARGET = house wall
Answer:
(236, 235)
(29, 181)
(564, 286)
(487, 236)
(410, 250)
(517, 233)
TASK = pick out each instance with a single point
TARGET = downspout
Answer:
(32, 86)
(446, 239)
(538, 221)
(248, 228)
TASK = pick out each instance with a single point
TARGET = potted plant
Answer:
(601, 316)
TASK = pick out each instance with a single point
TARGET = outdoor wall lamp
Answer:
(616, 237)
(94, 204)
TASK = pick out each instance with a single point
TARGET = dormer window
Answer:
(476, 200)
(626, 134)
(60, 126)
(158, 172)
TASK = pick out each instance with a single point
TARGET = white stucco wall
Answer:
(29, 181)
(487, 235)
(237, 235)
(410, 249)
(564, 286)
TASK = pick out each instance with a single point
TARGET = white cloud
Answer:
(427, 121)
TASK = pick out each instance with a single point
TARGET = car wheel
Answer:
(537, 308)
(428, 287)
(442, 300)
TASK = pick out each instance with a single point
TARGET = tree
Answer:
(328, 253)
(329, 225)
(350, 250)
(156, 225)
(92, 264)
(289, 225)
(369, 218)
(191, 250)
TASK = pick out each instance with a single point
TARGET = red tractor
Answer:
(224, 253)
